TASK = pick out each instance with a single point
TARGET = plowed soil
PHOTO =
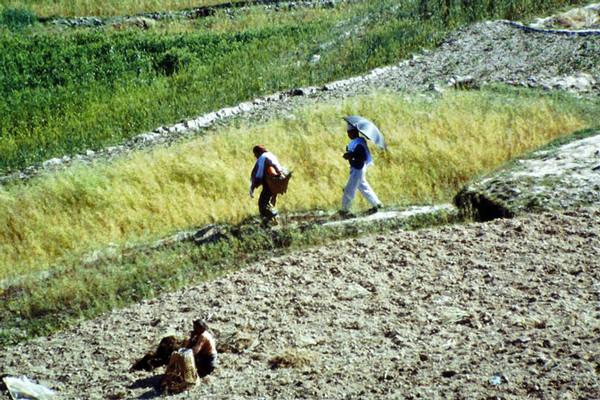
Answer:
(505, 309)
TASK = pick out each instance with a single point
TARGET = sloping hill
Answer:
(504, 309)
(559, 177)
(484, 53)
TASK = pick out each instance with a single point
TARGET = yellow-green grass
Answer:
(256, 18)
(435, 146)
(223, 22)
(67, 8)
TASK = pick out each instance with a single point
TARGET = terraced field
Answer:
(504, 309)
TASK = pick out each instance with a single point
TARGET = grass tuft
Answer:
(293, 358)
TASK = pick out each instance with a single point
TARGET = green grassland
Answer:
(73, 8)
(436, 8)
(434, 149)
(64, 90)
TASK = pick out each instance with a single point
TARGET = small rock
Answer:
(306, 341)
(52, 162)
(498, 379)
(435, 88)
(297, 92)
(464, 82)
(448, 373)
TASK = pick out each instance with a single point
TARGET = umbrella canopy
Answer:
(367, 129)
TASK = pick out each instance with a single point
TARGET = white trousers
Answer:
(358, 180)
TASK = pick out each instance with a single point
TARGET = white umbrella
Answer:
(367, 129)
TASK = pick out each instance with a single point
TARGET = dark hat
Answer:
(351, 128)
(200, 326)
(259, 149)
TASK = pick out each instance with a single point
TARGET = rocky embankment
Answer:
(149, 19)
(557, 178)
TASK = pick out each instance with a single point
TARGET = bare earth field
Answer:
(506, 309)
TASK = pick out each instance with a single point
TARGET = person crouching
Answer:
(204, 348)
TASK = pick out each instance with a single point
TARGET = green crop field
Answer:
(65, 90)
(47, 8)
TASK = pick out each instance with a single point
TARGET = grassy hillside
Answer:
(49, 8)
(47, 225)
(434, 149)
(66, 90)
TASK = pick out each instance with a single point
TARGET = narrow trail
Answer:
(566, 32)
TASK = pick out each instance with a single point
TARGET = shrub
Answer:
(17, 18)
(173, 60)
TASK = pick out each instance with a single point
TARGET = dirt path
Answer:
(506, 309)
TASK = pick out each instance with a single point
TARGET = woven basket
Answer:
(278, 184)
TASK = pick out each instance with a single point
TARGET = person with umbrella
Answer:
(359, 157)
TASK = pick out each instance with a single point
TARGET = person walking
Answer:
(358, 156)
(266, 165)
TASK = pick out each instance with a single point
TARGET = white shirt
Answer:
(262, 161)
